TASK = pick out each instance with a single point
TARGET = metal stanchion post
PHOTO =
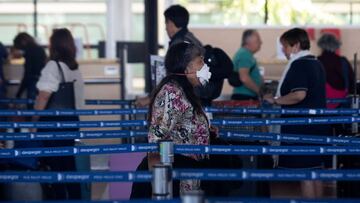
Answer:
(355, 98)
(196, 196)
(166, 152)
(354, 105)
(167, 158)
(161, 177)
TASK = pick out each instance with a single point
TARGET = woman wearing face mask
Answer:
(302, 85)
(175, 111)
(176, 114)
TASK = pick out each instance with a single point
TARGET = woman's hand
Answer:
(142, 101)
(269, 98)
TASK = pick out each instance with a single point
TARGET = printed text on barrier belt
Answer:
(132, 111)
(82, 112)
(181, 149)
(140, 200)
(275, 111)
(216, 200)
(87, 102)
(74, 135)
(77, 150)
(126, 102)
(217, 122)
(280, 200)
(293, 138)
(75, 124)
(184, 174)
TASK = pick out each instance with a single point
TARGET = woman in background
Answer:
(302, 85)
(35, 60)
(339, 73)
(61, 68)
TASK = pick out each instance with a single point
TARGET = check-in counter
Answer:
(273, 71)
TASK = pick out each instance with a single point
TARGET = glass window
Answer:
(86, 19)
(280, 12)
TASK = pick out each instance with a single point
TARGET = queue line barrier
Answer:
(82, 112)
(181, 149)
(128, 102)
(134, 111)
(184, 174)
(255, 136)
(216, 122)
(75, 124)
(87, 102)
(217, 200)
(74, 135)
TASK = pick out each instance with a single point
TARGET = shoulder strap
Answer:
(61, 71)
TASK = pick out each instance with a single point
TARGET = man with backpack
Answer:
(176, 22)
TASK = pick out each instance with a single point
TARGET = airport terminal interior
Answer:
(179, 100)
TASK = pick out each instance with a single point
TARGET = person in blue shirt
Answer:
(246, 65)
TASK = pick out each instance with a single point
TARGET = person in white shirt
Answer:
(61, 68)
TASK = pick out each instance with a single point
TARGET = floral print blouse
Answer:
(173, 118)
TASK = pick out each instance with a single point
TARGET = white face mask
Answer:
(291, 55)
(204, 74)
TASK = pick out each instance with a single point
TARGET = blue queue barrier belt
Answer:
(216, 122)
(286, 121)
(82, 112)
(338, 100)
(109, 102)
(263, 200)
(133, 111)
(181, 149)
(214, 200)
(293, 138)
(126, 102)
(275, 111)
(75, 124)
(74, 135)
(184, 174)
(87, 102)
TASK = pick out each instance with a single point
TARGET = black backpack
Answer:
(221, 65)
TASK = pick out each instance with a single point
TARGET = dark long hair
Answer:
(23, 40)
(62, 48)
(176, 60)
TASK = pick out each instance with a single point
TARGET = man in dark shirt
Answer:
(35, 59)
(176, 23)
